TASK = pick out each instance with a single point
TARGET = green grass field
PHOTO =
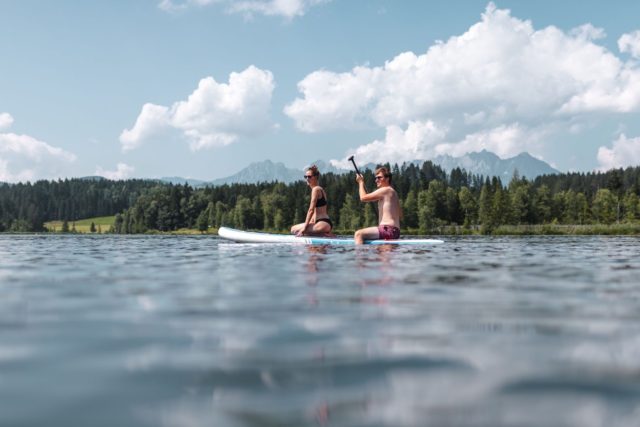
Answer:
(102, 223)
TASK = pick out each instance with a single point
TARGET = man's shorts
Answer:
(388, 232)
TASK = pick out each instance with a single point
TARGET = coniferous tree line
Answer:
(26, 206)
(430, 197)
(430, 200)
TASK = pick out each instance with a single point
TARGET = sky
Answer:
(202, 88)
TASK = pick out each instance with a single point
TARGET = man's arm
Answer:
(370, 197)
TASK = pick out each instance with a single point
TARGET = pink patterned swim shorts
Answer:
(388, 232)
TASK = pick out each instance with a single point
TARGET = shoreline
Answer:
(621, 229)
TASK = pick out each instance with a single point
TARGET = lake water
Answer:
(193, 331)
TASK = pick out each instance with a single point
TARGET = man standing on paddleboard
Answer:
(388, 208)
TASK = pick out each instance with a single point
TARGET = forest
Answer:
(433, 201)
(25, 207)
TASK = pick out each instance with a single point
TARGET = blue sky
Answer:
(202, 88)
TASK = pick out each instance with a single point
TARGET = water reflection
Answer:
(315, 256)
(375, 265)
(178, 331)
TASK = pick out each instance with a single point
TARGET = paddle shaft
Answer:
(354, 165)
(358, 172)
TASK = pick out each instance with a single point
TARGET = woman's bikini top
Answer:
(321, 202)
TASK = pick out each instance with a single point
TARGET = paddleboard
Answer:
(257, 237)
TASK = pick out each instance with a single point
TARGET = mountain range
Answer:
(483, 163)
(487, 163)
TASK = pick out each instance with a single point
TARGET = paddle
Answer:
(359, 173)
(354, 165)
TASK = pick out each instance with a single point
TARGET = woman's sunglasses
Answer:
(308, 176)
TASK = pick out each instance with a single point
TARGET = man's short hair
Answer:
(384, 171)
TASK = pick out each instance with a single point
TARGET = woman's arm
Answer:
(311, 211)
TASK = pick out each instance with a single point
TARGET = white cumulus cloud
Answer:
(425, 140)
(152, 120)
(500, 63)
(25, 158)
(588, 32)
(630, 43)
(504, 140)
(417, 141)
(173, 5)
(501, 80)
(123, 171)
(285, 8)
(6, 120)
(215, 114)
(334, 101)
(624, 152)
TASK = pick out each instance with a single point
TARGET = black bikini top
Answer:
(321, 202)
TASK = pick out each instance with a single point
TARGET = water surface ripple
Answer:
(193, 331)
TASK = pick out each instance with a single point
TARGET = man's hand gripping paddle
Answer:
(359, 173)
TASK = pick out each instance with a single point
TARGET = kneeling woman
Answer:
(317, 222)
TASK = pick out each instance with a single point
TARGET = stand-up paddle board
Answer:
(256, 237)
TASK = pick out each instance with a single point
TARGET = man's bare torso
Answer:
(389, 208)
